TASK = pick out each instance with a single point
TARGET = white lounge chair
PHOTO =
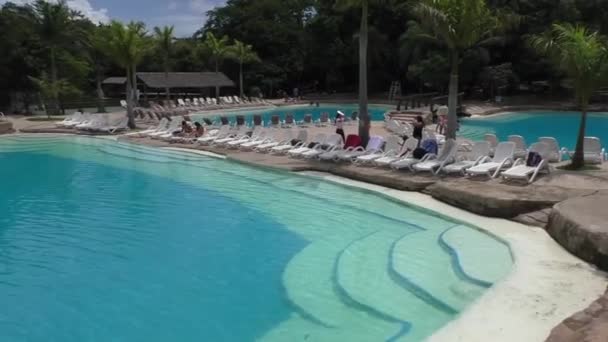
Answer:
(255, 134)
(391, 148)
(239, 134)
(521, 149)
(593, 151)
(270, 136)
(521, 169)
(288, 136)
(320, 138)
(116, 126)
(212, 135)
(332, 143)
(407, 148)
(298, 142)
(434, 163)
(555, 153)
(173, 126)
(480, 151)
(374, 145)
(492, 140)
(503, 158)
(162, 124)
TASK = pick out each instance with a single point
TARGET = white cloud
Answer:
(203, 6)
(172, 6)
(99, 15)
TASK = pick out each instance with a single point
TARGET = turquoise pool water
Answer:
(105, 241)
(376, 112)
(531, 125)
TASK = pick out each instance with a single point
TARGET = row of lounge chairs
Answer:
(207, 103)
(103, 123)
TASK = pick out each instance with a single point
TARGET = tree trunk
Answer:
(101, 108)
(453, 98)
(242, 94)
(217, 87)
(167, 89)
(578, 161)
(364, 119)
(55, 100)
(130, 92)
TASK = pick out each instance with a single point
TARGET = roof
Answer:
(115, 80)
(178, 79)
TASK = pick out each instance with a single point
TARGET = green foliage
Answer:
(218, 48)
(243, 53)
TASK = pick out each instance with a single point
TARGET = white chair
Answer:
(391, 148)
(239, 134)
(286, 139)
(320, 138)
(503, 158)
(406, 149)
(255, 134)
(286, 146)
(374, 145)
(434, 163)
(332, 143)
(213, 135)
(521, 169)
(521, 149)
(492, 140)
(555, 154)
(480, 151)
(593, 151)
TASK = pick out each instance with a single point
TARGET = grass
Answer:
(38, 119)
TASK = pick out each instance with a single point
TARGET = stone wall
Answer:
(590, 325)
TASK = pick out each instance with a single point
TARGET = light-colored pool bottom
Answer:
(546, 285)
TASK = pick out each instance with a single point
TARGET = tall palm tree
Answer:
(583, 56)
(98, 37)
(460, 25)
(243, 53)
(364, 122)
(164, 41)
(219, 50)
(126, 46)
(54, 24)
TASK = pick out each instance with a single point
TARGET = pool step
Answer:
(419, 262)
(473, 250)
(362, 273)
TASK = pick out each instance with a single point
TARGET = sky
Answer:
(186, 15)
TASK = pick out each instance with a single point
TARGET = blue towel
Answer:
(430, 146)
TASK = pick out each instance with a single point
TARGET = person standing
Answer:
(340, 125)
(418, 128)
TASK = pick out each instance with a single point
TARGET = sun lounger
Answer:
(208, 138)
(434, 163)
(332, 143)
(523, 169)
(503, 158)
(323, 120)
(407, 148)
(374, 145)
(391, 148)
(492, 140)
(555, 154)
(239, 134)
(298, 142)
(307, 122)
(289, 121)
(353, 141)
(318, 139)
(593, 151)
(286, 139)
(480, 151)
(521, 149)
(255, 134)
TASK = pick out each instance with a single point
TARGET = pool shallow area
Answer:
(101, 240)
(376, 112)
(531, 125)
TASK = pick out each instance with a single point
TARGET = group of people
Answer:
(188, 131)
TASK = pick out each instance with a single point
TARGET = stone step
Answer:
(362, 273)
(420, 262)
(473, 250)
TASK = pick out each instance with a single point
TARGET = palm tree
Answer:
(54, 24)
(97, 42)
(219, 49)
(459, 25)
(364, 123)
(243, 53)
(127, 46)
(164, 41)
(583, 56)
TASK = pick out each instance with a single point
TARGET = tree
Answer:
(55, 25)
(126, 46)
(219, 50)
(97, 43)
(583, 56)
(164, 41)
(364, 122)
(460, 25)
(243, 53)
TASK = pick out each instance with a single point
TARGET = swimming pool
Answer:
(376, 112)
(531, 125)
(107, 241)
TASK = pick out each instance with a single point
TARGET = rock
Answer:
(6, 127)
(581, 226)
(536, 218)
(590, 325)
(491, 198)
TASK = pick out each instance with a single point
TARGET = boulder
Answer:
(6, 127)
(581, 226)
(590, 325)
